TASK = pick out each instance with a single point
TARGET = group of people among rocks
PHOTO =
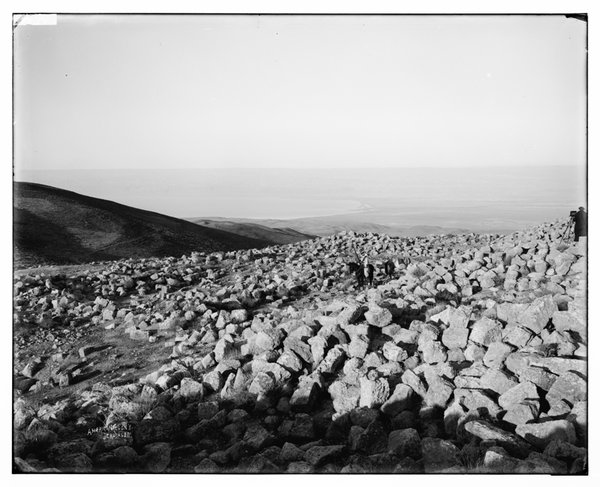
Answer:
(364, 271)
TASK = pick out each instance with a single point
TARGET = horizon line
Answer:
(304, 167)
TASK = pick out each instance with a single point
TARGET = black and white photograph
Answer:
(300, 243)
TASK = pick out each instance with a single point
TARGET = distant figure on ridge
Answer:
(580, 219)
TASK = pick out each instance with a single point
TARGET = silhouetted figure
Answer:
(397, 264)
(389, 268)
(357, 270)
(580, 219)
(369, 272)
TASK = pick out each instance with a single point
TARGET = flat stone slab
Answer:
(510, 442)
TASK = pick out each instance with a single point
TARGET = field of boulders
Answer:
(472, 358)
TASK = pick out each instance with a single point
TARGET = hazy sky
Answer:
(296, 91)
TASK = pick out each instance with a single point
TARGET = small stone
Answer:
(23, 414)
(454, 317)
(497, 460)
(74, 463)
(541, 464)
(358, 346)
(522, 413)
(539, 376)
(569, 387)
(538, 314)
(373, 439)
(568, 321)
(474, 399)
(488, 432)
(190, 390)
(379, 317)
(332, 361)
(439, 392)
(305, 395)
(319, 455)
(496, 355)
(291, 453)
(373, 393)
(405, 443)
(455, 337)
(207, 466)
(541, 434)
(414, 382)
(207, 410)
(261, 385)
(345, 396)
(485, 331)
(497, 381)
(439, 454)
(399, 401)
(302, 428)
(564, 451)
(433, 352)
(290, 361)
(299, 467)
(236, 415)
(32, 367)
(474, 352)
(363, 416)
(394, 353)
(157, 457)
(257, 437)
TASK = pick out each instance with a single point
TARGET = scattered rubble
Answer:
(470, 359)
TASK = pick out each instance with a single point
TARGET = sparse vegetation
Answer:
(417, 273)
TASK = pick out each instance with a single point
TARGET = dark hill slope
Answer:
(279, 235)
(52, 225)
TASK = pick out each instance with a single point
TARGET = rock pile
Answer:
(472, 359)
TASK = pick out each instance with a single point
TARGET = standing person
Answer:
(368, 270)
(580, 219)
(389, 268)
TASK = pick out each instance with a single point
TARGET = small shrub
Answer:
(471, 456)
(498, 281)
(418, 273)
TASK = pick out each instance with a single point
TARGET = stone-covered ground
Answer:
(470, 359)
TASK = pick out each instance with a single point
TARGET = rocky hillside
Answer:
(55, 226)
(470, 359)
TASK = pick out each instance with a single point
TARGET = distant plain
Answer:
(402, 201)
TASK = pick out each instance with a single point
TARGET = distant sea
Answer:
(479, 199)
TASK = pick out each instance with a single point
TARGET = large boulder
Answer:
(378, 316)
(538, 314)
(485, 331)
